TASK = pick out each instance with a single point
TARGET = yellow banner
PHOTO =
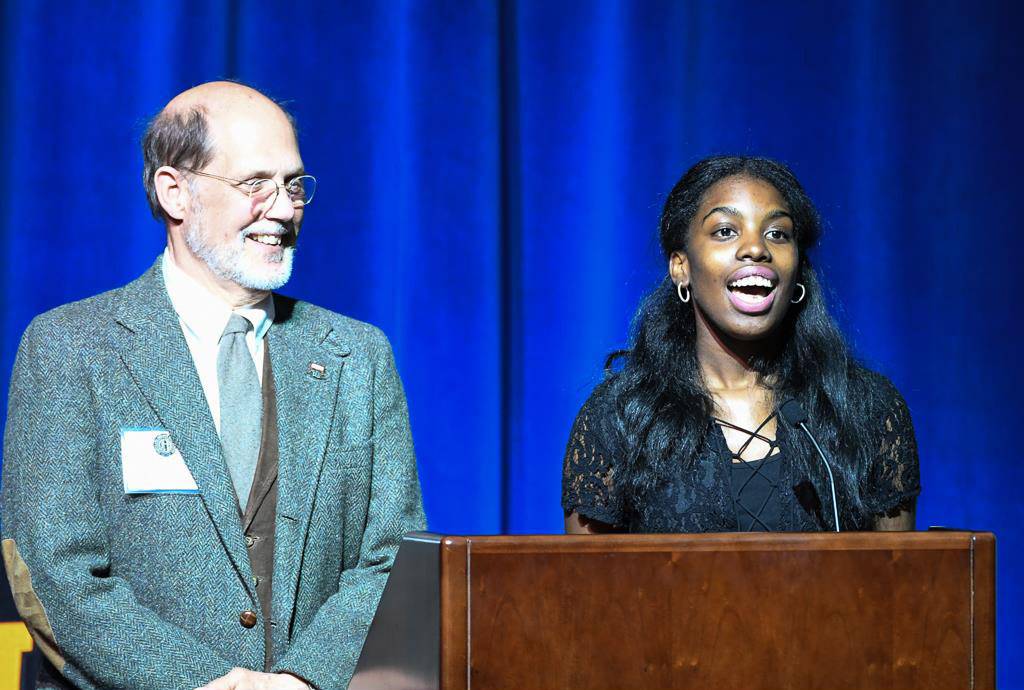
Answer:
(15, 642)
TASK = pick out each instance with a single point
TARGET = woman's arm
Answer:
(588, 475)
(578, 524)
(904, 521)
(894, 481)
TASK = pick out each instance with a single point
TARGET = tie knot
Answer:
(237, 324)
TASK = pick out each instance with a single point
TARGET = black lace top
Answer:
(755, 483)
(701, 499)
(755, 493)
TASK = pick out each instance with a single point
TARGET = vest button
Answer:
(249, 541)
(247, 618)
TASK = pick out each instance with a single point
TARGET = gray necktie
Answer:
(241, 406)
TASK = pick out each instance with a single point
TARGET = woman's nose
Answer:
(753, 248)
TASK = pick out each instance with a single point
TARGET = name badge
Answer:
(151, 464)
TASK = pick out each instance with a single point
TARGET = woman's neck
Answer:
(726, 363)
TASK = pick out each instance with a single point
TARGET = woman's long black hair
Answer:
(662, 403)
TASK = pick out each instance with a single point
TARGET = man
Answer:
(204, 484)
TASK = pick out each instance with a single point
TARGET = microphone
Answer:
(793, 412)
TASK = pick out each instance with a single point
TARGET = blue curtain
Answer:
(491, 175)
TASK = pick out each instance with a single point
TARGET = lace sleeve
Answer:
(588, 474)
(894, 481)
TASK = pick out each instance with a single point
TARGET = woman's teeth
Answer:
(752, 281)
(752, 294)
(273, 240)
(753, 290)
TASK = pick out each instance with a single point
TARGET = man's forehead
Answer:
(248, 132)
(245, 146)
(253, 135)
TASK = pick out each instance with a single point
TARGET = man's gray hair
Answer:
(178, 139)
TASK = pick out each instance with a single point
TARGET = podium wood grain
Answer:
(899, 610)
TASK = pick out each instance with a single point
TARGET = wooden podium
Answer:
(858, 610)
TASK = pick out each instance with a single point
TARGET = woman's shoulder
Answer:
(893, 479)
(596, 418)
(599, 408)
(878, 390)
(603, 394)
(885, 404)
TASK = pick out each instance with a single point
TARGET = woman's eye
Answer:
(724, 232)
(777, 235)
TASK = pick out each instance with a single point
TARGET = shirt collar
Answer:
(203, 313)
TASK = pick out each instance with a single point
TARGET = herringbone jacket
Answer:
(145, 590)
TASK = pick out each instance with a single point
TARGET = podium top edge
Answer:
(943, 539)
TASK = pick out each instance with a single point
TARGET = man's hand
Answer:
(244, 679)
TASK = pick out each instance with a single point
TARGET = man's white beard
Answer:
(231, 262)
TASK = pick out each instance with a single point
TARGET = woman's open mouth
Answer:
(752, 289)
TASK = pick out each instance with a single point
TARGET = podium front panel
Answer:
(717, 611)
(614, 612)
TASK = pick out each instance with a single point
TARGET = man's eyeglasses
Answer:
(264, 191)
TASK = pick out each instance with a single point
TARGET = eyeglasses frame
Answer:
(237, 184)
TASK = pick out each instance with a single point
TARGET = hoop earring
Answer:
(679, 291)
(803, 293)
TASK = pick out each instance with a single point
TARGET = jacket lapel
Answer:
(154, 351)
(308, 360)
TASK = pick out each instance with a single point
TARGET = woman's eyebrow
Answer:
(728, 210)
(778, 213)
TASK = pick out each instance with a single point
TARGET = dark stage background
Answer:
(491, 175)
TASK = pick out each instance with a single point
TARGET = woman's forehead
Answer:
(741, 196)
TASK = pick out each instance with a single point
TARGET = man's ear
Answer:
(679, 268)
(172, 192)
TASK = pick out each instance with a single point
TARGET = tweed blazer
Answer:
(146, 590)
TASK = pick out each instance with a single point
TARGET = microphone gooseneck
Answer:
(793, 412)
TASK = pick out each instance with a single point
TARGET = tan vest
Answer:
(261, 510)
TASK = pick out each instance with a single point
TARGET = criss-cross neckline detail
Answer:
(773, 444)
(756, 468)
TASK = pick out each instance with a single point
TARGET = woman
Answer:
(686, 435)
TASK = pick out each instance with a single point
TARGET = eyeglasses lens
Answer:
(300, 190)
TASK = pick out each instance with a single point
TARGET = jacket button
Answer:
(247, 618)
(249, 541)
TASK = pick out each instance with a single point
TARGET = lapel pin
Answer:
(163, 445)
(317, 371)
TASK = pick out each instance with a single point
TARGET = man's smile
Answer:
(273, 240)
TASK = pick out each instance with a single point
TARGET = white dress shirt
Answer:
(203, 317)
